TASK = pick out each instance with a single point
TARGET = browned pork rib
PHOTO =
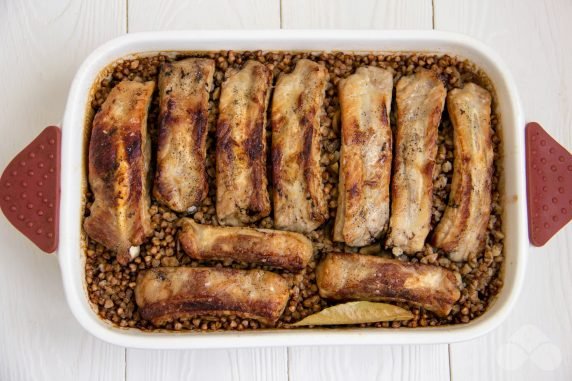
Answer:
(420, 100)
(365, 162)
(299, 200)
(462, 229)
(166, 293)
(119, 154)
(181, 178)
(367, 277)
(242, 194)
(280, 249)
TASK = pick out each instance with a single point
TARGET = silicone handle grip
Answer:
(30, 190)
(548, 185)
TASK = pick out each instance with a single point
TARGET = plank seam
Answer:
(281, 27)
(287, 348)
(450, 365)
(433, 14)
(124, 364)
(126, 16)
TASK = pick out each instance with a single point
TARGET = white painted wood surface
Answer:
(357, 14)
(203, 14)
(396, 362)
(220, 364)
(41, 45)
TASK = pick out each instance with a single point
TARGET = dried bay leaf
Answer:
(356, 313)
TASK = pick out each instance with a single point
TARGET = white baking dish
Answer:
(515, 217)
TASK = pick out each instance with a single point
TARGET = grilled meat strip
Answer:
(420, 101)
(166, 293)
(461, 231)
(299, 200)
(119, 154)
(365, 162)
(181, 178)
(242, 194)
(275, 248)
(367, 277)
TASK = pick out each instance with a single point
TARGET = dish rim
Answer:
(72, 182)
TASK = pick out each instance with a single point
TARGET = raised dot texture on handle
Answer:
(549, 194)
(23, 197)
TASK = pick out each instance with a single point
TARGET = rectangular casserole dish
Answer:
(72, 181)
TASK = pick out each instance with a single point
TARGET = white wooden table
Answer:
(43, 42)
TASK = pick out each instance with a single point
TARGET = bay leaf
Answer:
(356, 313)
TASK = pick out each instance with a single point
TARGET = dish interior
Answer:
(110, 286)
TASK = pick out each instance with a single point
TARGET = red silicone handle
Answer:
(30, 190)
(548, 185)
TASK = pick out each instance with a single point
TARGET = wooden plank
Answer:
(42, 46)
(533, 38)
(364, 362)
(203, 14)
(233, 365)
(242, 364)
(362, 14)
(413, 362)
